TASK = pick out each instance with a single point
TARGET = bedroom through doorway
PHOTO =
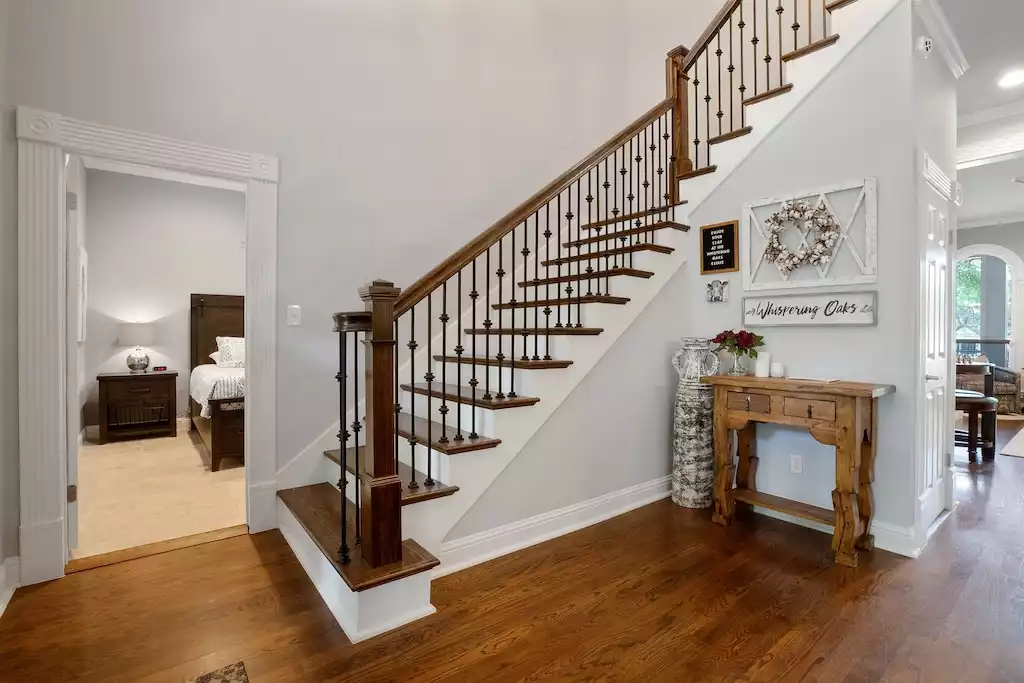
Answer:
(156, 360)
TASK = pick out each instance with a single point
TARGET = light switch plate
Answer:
(293, 317)
(796, 464)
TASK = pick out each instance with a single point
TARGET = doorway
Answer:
(140, 250)
(46, 141)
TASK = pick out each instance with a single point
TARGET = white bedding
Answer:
(211, 382)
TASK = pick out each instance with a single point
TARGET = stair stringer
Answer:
(473, 473)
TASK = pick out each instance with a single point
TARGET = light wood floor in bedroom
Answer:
(133, 493)
(659, 594)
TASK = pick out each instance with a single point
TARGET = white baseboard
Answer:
(895, 539)
(42, 547)
(471, 550)
(262, 512)
(364, 614)
(10, 579)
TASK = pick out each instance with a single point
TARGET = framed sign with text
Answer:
(789, 310)
(718, 248)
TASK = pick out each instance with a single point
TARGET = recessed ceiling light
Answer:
(1012, 79)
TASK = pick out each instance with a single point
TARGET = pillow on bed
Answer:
(232, 352)
(215, 356)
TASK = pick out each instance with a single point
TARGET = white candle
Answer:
(778, 370)
(762, 364)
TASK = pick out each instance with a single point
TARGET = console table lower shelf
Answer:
(840, 414)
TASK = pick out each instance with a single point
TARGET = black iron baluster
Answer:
(590, 245)
(473, 382)
(754, 41)
(579, 261)
(623, 181)
(443, 318)
(649, 187)
(547, 281)
(664, 124)
(796, 24)
(356, 428)
(558, 252)
(512, 336)
(767, 48)
(342, 377)
(718, 74)
(536, 289)
(732, 87)
(459, 350)
(526, 312)
(429, 378)
(501, 276)
(707, 107)
(743, 69)
(398, 407)
(779, 11)
(604, 245)
(487, 324)
(568, 285)
(412, 400)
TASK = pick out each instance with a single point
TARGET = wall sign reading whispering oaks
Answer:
(718, 248)
(783, 310)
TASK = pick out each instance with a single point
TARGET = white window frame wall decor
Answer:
(867, 262)
(44, 141)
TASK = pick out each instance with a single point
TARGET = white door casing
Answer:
(44, 140)
(935, 403)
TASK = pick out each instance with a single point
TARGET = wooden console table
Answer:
(840, 414)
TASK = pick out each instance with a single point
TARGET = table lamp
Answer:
(137, 335)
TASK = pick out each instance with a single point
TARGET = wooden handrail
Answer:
(464, 256)
(713, 28)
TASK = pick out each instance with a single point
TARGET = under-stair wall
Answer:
(614, 431)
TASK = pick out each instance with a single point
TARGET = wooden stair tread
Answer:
(539, 331)
(318, 510)
(731, 135)
(507, 362)
(810, 48)
(792, 507)
(837, 4)
(611, 272)
(409, 496)
(618, 251)
(697, 173)
(769, 94)
(469, 396)
(585, 299)
(630, 216)
(418, 429)
(607, 237)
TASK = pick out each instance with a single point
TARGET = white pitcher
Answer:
(695, 359)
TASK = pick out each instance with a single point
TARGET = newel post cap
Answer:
(379, 289)
(680, 51)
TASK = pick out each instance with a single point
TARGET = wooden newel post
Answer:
(381, 494)
(676, 89)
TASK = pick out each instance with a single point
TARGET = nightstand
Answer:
(135, 406)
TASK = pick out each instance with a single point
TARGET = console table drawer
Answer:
(750, 403)
(810, 409)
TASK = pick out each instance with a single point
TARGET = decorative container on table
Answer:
(693, 469)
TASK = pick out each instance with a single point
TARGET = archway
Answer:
(1015, 292)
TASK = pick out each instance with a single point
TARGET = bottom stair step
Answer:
(318, 510)
(421, 493)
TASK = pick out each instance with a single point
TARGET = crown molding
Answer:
(991, 220)
(991, 114)
(942, 35)
(990, 151)
(117, 144)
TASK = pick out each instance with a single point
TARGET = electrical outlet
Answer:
(796, 464)
(293, 316)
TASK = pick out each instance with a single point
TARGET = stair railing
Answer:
(739, 60)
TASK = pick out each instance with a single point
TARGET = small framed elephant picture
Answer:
(717, 291)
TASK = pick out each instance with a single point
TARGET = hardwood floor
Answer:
(659, 594)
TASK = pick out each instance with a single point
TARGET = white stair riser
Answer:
(487, 346)
(484, 416)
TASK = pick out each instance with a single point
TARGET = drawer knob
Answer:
(748, 404)
(809, 412)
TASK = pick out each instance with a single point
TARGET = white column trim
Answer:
(44, 140)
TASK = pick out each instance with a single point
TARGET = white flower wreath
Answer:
(818, 253)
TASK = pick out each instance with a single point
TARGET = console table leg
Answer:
(724, 507)
(865, 497)
(849, 440)
(746, 450)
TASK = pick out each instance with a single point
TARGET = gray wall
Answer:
(615, 429)
(9, 493)
(151, 244)
(993, 309)
(507, 95)
(1009, 235)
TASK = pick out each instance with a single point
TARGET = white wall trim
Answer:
(991, 220)
(465, 552)
(1016, 264)
(991, 114)
(124, 167)
(44, 140)
(895, 539)
(991, 151)
(942, 36)
(10, 579)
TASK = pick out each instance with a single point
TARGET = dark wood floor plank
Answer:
(658, 594)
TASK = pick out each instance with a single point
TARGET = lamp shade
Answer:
(135, 334)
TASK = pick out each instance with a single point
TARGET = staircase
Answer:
(441, 385)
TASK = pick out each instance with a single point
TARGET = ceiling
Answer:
(990, 35)
(989, 192)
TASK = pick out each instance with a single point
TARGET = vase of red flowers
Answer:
(739, 344)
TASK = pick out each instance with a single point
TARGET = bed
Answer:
(216, 395)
